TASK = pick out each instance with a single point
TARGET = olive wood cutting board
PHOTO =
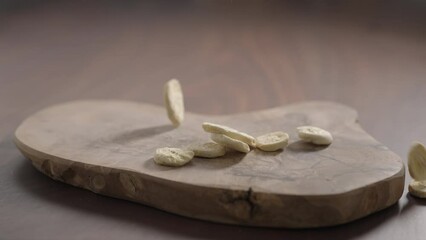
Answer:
(107, 146)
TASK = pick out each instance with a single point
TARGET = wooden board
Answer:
(107, 147)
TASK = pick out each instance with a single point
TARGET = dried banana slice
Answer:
(230, 132)
(230, 142)
(173, 99)
(314, 135)
(208, 150)
(417, 188)
(272, 141)
(172, 157)
(417, 162)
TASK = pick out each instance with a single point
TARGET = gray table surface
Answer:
(231, 56)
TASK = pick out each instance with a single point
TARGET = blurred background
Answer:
(231, 56)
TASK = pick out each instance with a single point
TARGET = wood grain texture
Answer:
(231, 56)
(108, 146)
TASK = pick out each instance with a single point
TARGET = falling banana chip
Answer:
(417, 170)
(173, 99)
(417, 162)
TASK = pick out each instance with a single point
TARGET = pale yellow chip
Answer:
(314, 135)
(230, 132)
(172, 157)
(272, 141)
(208, 150)
(417, 189)
(173, 100)
(230, 143)
(417, 162)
